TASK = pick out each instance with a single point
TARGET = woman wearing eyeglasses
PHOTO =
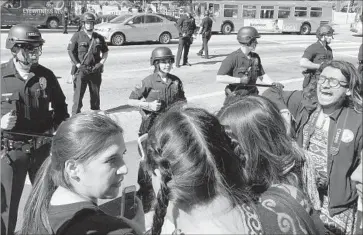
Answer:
(156, 93)
(328, 124)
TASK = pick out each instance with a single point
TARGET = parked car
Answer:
(171, 18)
(138, 27)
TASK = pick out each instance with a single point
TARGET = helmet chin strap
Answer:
(25, 64)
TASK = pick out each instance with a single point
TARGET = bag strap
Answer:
(89, 50)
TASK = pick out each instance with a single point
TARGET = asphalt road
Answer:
(129, 64)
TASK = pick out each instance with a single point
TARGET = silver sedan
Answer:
(138, 27)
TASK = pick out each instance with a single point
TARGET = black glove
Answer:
(278, 85)
(98, 68)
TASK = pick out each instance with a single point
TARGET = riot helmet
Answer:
(247, 34)
(161, 53)
(88, 17)
(324, 30)
(24, 35)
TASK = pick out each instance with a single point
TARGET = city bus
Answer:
(35, 12)
(302, 17)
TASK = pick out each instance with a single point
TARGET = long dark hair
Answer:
(196, 161)
(79, 138)
(271, 155)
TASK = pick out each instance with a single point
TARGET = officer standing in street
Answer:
(205, 29)
(65, 20)
(27, 90)
(186, 26)
(317, 53)
(156, 94)
(88, 51)
(241, 69)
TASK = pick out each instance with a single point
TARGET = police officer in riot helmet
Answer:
(157, 93)
(27, 91)
(88, 52)
(243, 67)
(317, 53)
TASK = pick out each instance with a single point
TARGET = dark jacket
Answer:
(186, 25)
(85, 218)
(206, 24)
(31, 98)
(341, 161)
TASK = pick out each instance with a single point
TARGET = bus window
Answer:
(12, 4)
(231, 11)
(267, 12)
(249, 12)
(216, 10)
(301, 11)
(316, 12)
(284, 12)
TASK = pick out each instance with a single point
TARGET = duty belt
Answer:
(25, 146)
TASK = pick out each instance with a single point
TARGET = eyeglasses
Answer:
(33, 49)
(333, 82)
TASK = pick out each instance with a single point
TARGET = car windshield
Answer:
(120, 19)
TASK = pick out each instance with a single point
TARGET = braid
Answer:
(235, 144)
(162, 202)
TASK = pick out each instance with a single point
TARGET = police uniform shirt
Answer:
(31, 98)
(186, 25)
(207, 26)
(79, 44)
(154, 88)
(317, 53)
(237, 64)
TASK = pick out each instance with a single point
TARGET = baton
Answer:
(261, 85)
(30, 134)
(119, 108)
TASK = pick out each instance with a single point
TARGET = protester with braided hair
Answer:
(274, 164)
(199, 180)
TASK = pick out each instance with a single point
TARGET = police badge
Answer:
(43, 85)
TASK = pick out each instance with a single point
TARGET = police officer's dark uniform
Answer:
(86, 51)
(29, 100)
(317, 53)
(206, 26)
(65, 20)
(186, 26)
(153, 88)
(238, 65)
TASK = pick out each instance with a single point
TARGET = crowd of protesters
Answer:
(283, 162)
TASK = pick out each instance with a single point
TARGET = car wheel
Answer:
(118, 39)
(53, 23)
(305, 29)
(165, 38)
(227, 28)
